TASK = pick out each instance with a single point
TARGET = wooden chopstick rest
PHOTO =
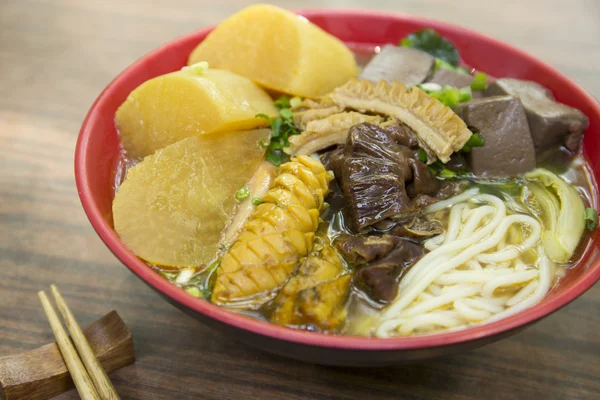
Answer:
(98, 376)
(41, 373)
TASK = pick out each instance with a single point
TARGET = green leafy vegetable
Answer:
(264, 116)
(439, 63)
(194, 291)
(465, 94)
(168, 275)
(295, 101)
(479, 82)
(560, 208)
(282, 128)
(447, 95)
(242, 193)
(276, 127)
(256, 201)
(447, 173)
(512, 187)
(196, 69)
(286, 114)
(474, 141)
(202, 284)
(282, 102)
(591, 219)
(276, 157)
(431, 42)
(439, 169)
(422, 155)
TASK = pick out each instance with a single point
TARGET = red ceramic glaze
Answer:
(97, 154)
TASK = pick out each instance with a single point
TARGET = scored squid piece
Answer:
(315, 295)
(278, 234)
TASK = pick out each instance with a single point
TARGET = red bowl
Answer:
(97, 154)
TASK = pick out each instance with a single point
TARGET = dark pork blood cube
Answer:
(402, 64)
(502, 122)
(552, 124)
(443, 76)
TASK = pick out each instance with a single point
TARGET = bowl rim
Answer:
(263, 328)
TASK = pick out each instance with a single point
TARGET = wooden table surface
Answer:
(55, 58)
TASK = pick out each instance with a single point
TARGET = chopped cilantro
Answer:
(474, 141)
(479, 82)
(281, 128)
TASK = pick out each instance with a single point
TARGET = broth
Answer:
(361, 308)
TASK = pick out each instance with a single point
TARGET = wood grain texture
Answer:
(41, 373)
(55, 58)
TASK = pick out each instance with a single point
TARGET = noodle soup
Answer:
(408, 196)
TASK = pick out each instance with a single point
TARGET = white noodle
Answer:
(523, 293)
(514, 278)
(474, 264)
(457, 283)
(537, 295)
(473, 221)
(425, 296)
(432, 272)
(434, 242)
(457, 292)
(455, 222)
(445, 319)
(507, 254)
(469, 313)
(461, 198)
(520, 266)
(480, 303)
(445, 251)
(435, 289)
(502, 244)
(470, 276)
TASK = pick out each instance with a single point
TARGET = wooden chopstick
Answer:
(82, 381)
(103, 384)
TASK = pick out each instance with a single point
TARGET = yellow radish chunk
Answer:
(190, 102)
(173, 205)
(278, 50)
